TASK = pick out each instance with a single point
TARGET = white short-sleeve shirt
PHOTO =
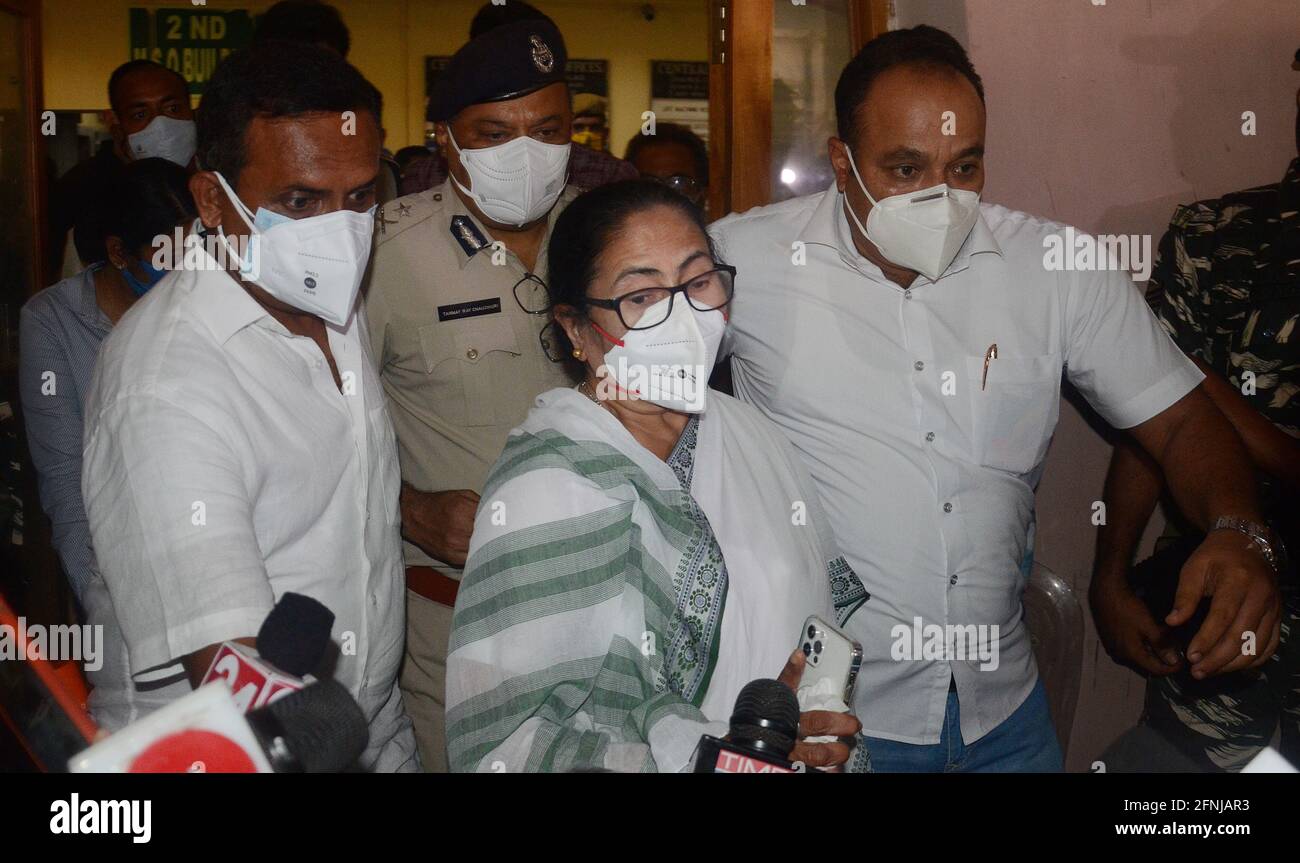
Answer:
(926, 469)
(223, 468)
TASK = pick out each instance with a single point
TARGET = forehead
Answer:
(653, 236)
(550, 100)
(910, 102)
(320, 150)
(149, 85)
(664, 158)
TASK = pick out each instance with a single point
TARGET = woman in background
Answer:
(62, 327)
(635, 562)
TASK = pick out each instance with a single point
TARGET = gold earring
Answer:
(577, 353)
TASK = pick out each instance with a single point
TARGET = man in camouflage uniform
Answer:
(1226, 285)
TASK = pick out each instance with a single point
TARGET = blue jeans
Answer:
(1025, 742)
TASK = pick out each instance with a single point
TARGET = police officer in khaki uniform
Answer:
(458, 308)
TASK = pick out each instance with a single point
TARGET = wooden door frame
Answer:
(29, 14)
(740, 95)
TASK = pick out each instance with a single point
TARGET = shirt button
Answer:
(472, 353)
(929, 436)
(918, 365)
(907, 294)
(952, 580)
(947, 507)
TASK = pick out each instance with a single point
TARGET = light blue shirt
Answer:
(61, 329)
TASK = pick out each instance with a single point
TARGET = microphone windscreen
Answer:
(766, 716)
(295, 634)
(323, 726)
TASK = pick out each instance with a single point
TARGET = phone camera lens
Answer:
(812, 632)
(817, 647)
(807, 648)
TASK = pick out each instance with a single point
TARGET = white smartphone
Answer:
(831, 654)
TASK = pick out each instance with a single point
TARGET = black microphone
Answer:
(295, 634)
(764, 730)
(318, 729)
(291, 643)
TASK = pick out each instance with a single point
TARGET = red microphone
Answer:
(290, 644)
(318, 729)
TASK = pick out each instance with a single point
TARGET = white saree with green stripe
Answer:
(614, 604)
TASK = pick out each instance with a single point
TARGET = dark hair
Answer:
(923, 46)
(672, 133)
(589, 224)
(492, 16)
(277, 79)
(303, 21)
(127, 68)
(406, 155)
(145, 198)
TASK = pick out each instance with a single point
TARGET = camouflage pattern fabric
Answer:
(1226, 285)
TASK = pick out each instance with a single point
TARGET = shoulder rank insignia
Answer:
(471, 239)
(383, 220)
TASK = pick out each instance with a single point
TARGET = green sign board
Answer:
(191, 40)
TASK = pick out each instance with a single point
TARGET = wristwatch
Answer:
(1260, 536)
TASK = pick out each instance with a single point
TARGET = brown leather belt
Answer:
(433, 585)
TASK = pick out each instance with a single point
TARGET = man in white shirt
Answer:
(912, 344)
(237, 442)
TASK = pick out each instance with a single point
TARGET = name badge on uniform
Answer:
(472, 309)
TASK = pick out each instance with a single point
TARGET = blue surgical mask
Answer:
(153, 276)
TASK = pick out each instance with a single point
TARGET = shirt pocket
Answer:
(1013, 410)
(474, 359)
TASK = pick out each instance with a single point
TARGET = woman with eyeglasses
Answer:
(644, 547)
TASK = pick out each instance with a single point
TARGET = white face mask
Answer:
(517, 182)
(922, 230)
(313, 264)
(669, 365)
(165, 138)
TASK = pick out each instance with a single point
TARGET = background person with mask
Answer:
(588, 168)
(62, 327)
(911, 343)
(457, 303)
(150, 118)
(676, 157)
(238, 446)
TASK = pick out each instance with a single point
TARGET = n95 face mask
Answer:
(314, 264)
(669, 364)
(165, 138)
(922, 230)
(517, 182)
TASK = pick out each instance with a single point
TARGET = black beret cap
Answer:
(507, 62)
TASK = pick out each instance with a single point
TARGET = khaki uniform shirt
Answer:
(460, 359)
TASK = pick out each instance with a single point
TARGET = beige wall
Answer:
(85, 39)
(1106, 117)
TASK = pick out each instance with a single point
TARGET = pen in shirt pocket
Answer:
(990, 354)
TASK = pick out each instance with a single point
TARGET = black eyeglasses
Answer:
(646, 308)
(688, 186)
(532, 295)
